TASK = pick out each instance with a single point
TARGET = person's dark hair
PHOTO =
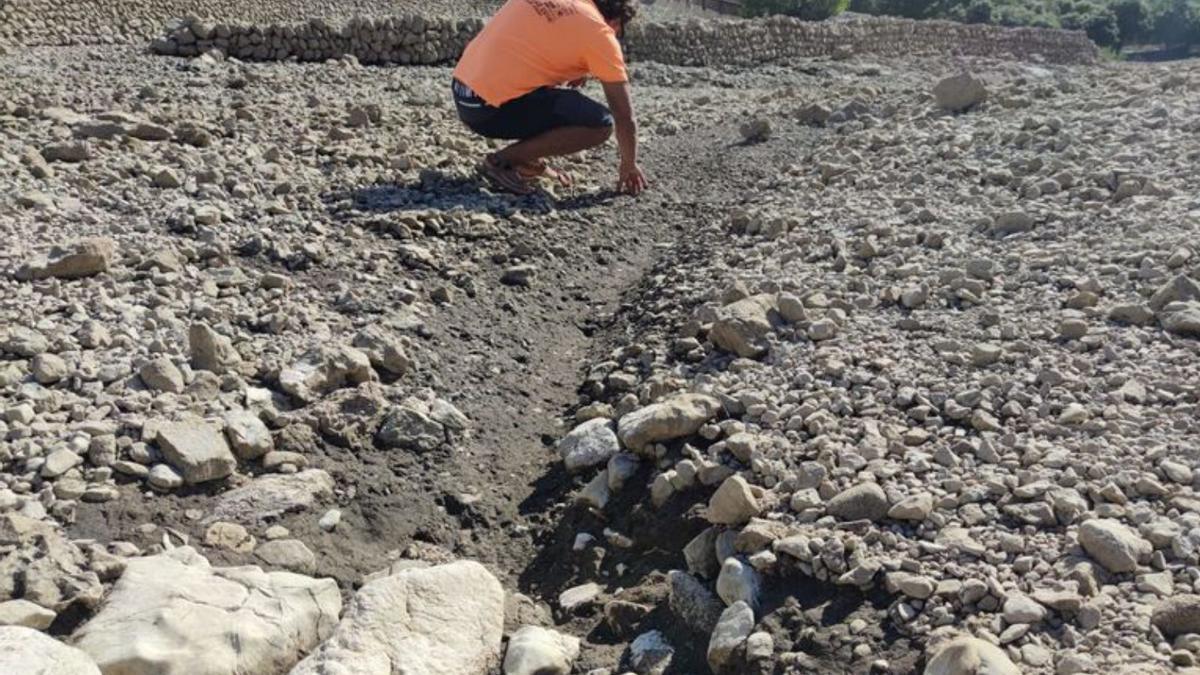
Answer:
(622, 11)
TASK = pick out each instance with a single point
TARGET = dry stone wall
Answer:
(72, 22)
(378, 31)
(735, 42)
(415, 40)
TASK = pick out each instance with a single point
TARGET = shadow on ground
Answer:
(441, 191)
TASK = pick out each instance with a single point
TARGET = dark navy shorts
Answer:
(531, 115)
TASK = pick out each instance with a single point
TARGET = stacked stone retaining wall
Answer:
(76, 22)
(415, 40)
(270, 30)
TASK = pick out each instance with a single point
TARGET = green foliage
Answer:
(1133, 21)
(809, 10)
(1177, 24)
(1109, 23)
(979, 11)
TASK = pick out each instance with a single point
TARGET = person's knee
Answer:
(604, 132)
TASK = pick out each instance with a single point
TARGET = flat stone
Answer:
(269, 497)
(290, 554)
(442, 619)
(578, 596)
(184, 612)
(86, 258)
(198, 450)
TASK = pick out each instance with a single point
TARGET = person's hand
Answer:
(576, 84)
(632, 180)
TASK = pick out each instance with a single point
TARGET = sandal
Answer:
(503, 177)
(540, 169)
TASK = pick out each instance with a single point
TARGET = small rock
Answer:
(229, 536)
(734, 503)
(917, 508)
(330, 520)
(87, 258)
(579, 596)
(1113, 545)
(651, 654)
(734, 626)
(1178, 615)
(25, 613)
(290, 554)
(677, 417)
(161, 375)
(865, 501)
(1023, 609)
(738, 581)
(589, 444)
(756, 130)
(248, 435)
(960, 93)
(538, 651)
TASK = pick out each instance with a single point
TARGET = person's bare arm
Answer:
(620, 101)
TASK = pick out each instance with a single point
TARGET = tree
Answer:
(1177, 24)
(979, 11)
(809, 10)
(1133, 21)
(1102, 29)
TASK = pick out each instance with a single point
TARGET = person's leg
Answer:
(554, 143)
(556, 122)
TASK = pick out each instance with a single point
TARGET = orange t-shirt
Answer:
(530, 44)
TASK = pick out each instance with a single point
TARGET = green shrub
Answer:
(1133, 21)
(809, 10)
(980, 11)
(1177, 25)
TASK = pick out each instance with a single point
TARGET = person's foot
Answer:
(541, 169)
(504, 176)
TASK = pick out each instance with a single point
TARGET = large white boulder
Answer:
(25, 651)
(428, 621)
(174, 614)
(970, 656)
